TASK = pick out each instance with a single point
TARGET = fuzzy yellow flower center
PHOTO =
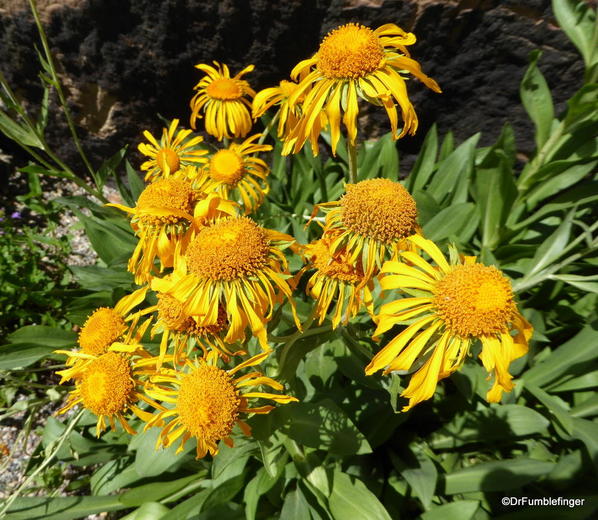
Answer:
(229, 249)
(225, 89)
(168, 159)
(107, 385)
(349, 52)
(170, 312)
(208, 403)
(380, 209)
(101, 329)
(165, 194)
(331, 266)
(475, 300)
(226, 166)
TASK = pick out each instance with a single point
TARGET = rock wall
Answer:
(126, 61)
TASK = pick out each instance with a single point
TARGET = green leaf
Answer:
(558, 183)
(150, 462)
(494, 423)
(136, 184)
(453, 170)
(496, 192)
(21, 355)
(537, 100)
(295, 506)
(587, 432)
(585, 283)
(461, 510)
(109, 166)
(21, 134)
(587, 408)
(424, 165)
(155, 490)
(578, 20)
(552, 248)
(113, 244)
(350, 498)
(44, 336)
(451, 221)
(321, 425)
(97, 278)
(496, 476)
(148, 511)
(61, 508)
(553, 405)
(422, 480)
(576, 352)
(257, 486)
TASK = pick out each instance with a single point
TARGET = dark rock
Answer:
(123, 62)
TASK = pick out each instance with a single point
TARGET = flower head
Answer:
(236, 173)
(236, 264)
(460, 302)
(167, 211)
(371, 221)
(207, 402)
(171, 153)
(224, 101)
(336, 282)
(354, 62)
(269, 97)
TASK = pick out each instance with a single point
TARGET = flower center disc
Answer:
(106, 385)
(475, 300)
(101, 329)
(349, 52)
(170, 312)
(229, 249)
(168, 159)
(380, 209)
(169, 194)
(226, 166)
(208, 403)
(224, 89)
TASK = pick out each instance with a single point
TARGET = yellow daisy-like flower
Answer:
(208, 401)
(166, 212)
(172, 152)
(370, 222)
(235, 173)
(288, 116)
(106, 325)
(184, 331)
(460, 302)
(236, 264)
(336, 282)
(354, 62)
(223, 101)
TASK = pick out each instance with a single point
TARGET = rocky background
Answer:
(124, 62)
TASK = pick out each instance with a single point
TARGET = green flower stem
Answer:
(268, 127)
(352, 152)
(58, 444)
(59, 90)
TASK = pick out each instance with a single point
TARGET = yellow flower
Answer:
(336, 282)
(354, 62)
(106, 325)
(235, 173)
(185, 331)
(235, 263)
(172, 152)
(456, 304)
(208, 401)
(369, 222)
(223, 101)
(269, 97)
(166, 212)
